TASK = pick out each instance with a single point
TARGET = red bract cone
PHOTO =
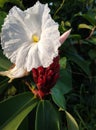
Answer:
(45, 78)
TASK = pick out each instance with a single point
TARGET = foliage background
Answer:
(77, 54)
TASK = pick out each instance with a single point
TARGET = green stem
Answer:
(61, 5)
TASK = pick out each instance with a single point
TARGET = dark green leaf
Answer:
(75, 36)
(92, 40)
(17, 109)
(92, 53)
(24, 125)
(46, 117)
(58, 98)
(64, 88)
(64, 83)
(16, 2)
(83, 64)
(3, 85)
(90, 18)
(2, 16)
(4, 62)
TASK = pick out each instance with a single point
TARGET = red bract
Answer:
(45, 78)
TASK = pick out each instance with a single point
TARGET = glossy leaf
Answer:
(71, 123)
(85, 26)
(64, 83)
(63, 88)
(46, 117)
(4, 62)
(58, 98)
(18, 107)
(90, 18)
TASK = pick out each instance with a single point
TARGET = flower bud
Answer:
(45, 78)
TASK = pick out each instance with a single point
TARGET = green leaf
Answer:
(85, 26)
(92, 40)
(46, 117)
(2, 2)
(4, 62)
(2, 16)
(25, 124)
(67, 23)
(64, 88)
(75, 36)
(71, 123)
(92, 53)
(3, 85)
(16, 2)
(18, 107)
(58, 98)
(64, 83)
(83, 64)
(63, 62)
(90, 18)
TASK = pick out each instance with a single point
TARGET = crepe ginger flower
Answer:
(30, 39)
(45, 78)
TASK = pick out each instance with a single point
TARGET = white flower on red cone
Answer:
(30, 39)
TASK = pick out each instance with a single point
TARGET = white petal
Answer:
(41, 54)
(64, 36)
(33, 17)
(22, 55)
(14, 32)
(49, 26)
(33, 60)
(47, 51)
(14, 73)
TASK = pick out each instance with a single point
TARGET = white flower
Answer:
(14, 73)
(30, 38)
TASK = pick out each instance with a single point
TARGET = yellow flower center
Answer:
(35, 38)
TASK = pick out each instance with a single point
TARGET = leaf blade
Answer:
(72, 124)
(58, 98)
(46, 117)
(15, 117)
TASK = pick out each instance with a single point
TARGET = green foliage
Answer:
(58, 98)
(2, 16)
(46, 117)
(72, 124)
(16, 2)
(83, 64)
(12, 117)
(5, 63)
(3, 85)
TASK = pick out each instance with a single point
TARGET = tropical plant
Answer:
(71, 102)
